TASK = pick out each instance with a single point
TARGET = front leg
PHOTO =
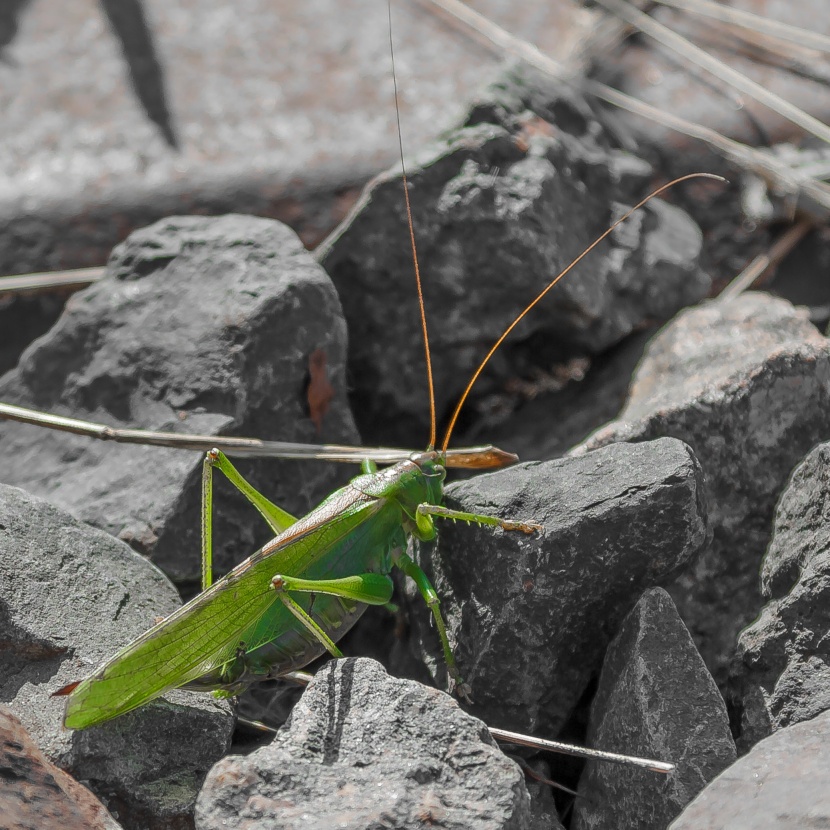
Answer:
(425, 511)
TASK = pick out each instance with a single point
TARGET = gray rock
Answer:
(202, 325)
(655, 699)
(363, 749)
(70, 596)
(746, 383)
(783, 783)
(500, 205)
(543, 812)
(801, 533)
(781, 673)
(530, 616)
(41, 796)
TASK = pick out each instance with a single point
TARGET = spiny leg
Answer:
(368, 588)
(426, 531)
(277, 519)
(424, 511)
(411, 569)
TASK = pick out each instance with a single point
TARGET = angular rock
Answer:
(783, 783)
(363, 749)
(501, 205)
(70, 596)
(36, 794)
(746, 383)
(801, 533)
(781, 673)
(202, 325)
(656, 699)
(530, 616)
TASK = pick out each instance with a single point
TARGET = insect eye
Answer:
(437, 472)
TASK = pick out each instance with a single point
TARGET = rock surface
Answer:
(500, 205)
(746, 383)
(205, 326)
(783, 783)
(35, 794)
(530, 616)
(363, 749)
(655, 699)
(781, 674)
(70, 596)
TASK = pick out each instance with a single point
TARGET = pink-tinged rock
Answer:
(37, 795)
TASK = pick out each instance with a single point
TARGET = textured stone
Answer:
(363, 749)
(781, 673)
(500, 205)
(746, 383)
(783, 783)
(655, 699)
(530, 616)
(801, 532)
(35, 794)
(205, 326)
(70, 596)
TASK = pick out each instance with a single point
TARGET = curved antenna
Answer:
(412, 240)
(550, 285)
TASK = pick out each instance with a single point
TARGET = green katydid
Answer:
(292, 600)
(289, 602)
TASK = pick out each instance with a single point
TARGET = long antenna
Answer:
(550, 285)
(412, 239)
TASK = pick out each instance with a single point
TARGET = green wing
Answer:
(205, 633)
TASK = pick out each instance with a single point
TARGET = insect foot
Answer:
(531, 616)
(524, 527)
(73, 595)
(655, 686)
(745, 384)
(241, 288)
(396, 752)
(462, 690)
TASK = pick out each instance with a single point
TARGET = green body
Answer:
(238, 631)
